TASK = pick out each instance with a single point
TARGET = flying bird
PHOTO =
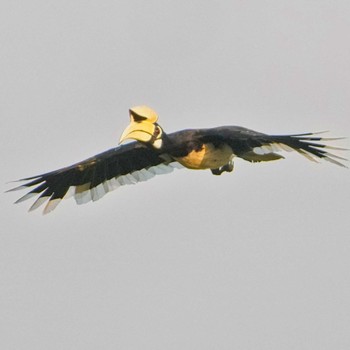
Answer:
(155, 152)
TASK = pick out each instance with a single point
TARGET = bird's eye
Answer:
(156, 131)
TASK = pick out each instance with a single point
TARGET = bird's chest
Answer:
(207, 157)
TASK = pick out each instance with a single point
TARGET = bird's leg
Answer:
(227, 167)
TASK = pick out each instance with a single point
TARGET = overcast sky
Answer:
(255, 259)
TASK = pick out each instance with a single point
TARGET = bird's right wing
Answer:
(92, 178)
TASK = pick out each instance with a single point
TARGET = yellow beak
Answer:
(140, 131)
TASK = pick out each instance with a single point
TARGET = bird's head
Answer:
(143, 127)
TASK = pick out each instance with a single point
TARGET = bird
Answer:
(153, 152)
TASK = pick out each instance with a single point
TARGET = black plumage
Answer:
(156, 152)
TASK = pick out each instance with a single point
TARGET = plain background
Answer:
(255, 259)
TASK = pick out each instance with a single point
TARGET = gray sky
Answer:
(255, 259)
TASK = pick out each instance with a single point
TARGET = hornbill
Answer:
(154, 152)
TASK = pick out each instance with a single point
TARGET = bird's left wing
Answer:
(92, 178)
(254, 146)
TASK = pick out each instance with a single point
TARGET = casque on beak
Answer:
(142, 125)
(140, 131)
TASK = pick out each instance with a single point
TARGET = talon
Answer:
(216, 171)
(226, 168)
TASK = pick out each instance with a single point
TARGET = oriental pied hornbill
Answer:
(155, 152)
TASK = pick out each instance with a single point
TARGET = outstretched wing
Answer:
(256, 147)
(92, 178)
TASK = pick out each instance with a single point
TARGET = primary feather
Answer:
(91, 179)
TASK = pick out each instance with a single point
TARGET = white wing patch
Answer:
(51, 205)
(278, 147)
(26, 196)
(40, 201)
(84, 194)
(272, 147)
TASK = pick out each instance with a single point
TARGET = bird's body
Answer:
(156, 152)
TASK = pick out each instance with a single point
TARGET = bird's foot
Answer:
(226, 168)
